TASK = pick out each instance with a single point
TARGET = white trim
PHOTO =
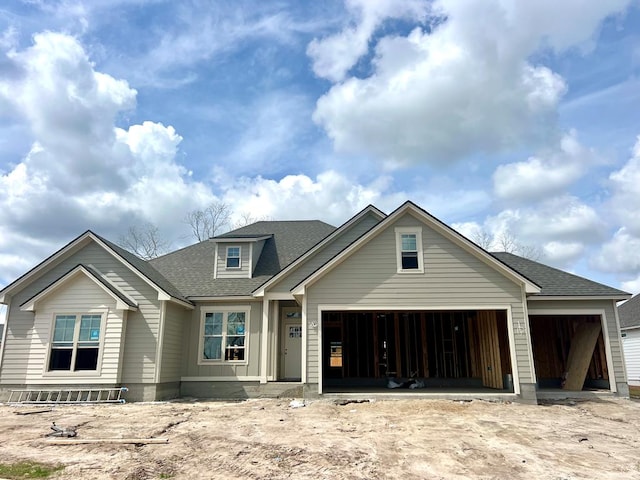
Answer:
(275, 342)
(240, 239)
(250, 260)
(634, 327)
(319, 359)
(605, 333)
(264, 341)
(579, 297)
(417, 231)
(304, 326)
(30, 304)
(229, 298)
(512, 352)
(279, 296)
(247, 330)
(248, 378)
(260, 291)
(435, 224)
(123, 335)
(215, 262)
(76, 374)
(160, 343)
(352, 307)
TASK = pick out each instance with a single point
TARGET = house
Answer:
(303, 307)
(629, 313)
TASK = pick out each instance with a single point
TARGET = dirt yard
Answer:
(269, 439)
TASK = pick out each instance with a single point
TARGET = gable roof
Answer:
(143, 269)
(191, 269)
(437, 225)
(558, 283)
(629, 313)
(123, 301)
(368, 209)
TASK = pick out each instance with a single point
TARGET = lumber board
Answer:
(109, 441)
(396, 326)
(31, 412)
(489, 350)
(581, 350)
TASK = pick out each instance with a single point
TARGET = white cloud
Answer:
(543, 176)
(625, 197)
(461, 87)
(621, 254)
(335, 55)
(632, 286)
(563, 254)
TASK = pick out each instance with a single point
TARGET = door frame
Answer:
(283, 324)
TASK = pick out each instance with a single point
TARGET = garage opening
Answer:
(443, 350)
(569, 352)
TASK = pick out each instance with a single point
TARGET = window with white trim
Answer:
(224, 335)
(75, 343)
(233, 257)
(409, 250)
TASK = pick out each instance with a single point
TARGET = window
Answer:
(76, 343)
(409, 250)
(224, 335)
(233, 257)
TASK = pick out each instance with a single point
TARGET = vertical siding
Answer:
(575, 306)
(174, 321)
(191, 342)
(631, 346)
(79, 295)
(325, 254)
(21, 351)
(453, 278)
(221, 267)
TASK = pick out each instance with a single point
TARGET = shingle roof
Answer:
(629, 313)
(191, 268)
(146, 269)
(556, 282)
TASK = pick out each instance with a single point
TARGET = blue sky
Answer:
(496, 116)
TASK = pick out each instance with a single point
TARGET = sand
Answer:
(269, 439)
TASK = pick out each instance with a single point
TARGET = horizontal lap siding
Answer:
(80, 295)
(175, 320)
(453, 278)
(575, 306)
(21, 350)
(631, 345)
(221, 268)
(191, 345)
(325, 254)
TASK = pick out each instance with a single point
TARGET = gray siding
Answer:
(577, 306)
(325, 254)
(191, 344)
(221, 267)
(175, 319)
(453, 278)
(25, 342)
(255, 255)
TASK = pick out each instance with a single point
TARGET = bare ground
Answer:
(268, 439)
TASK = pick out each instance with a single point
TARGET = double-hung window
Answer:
(75, 345)
(233, 257)
(409, 250)
(224, 335)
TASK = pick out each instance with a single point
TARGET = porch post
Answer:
(264, 336)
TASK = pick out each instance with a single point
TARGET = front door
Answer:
(291, 367)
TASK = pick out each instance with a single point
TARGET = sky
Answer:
(496, 116)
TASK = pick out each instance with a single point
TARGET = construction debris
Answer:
(125, 441)
(31, 412)
(62, 432)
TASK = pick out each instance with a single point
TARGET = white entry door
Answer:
(291, 345)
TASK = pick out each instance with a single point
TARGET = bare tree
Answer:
(483, 239)
(246, 218)
(508, 242)
(208, 222)
(144, 240)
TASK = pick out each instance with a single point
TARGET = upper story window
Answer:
(409, 250)
(76, 343)
(233, 257)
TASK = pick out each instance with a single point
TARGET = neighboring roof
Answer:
(456, 237)
(191, 268)
(123, 300)
(557, 283)
(629, 313)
